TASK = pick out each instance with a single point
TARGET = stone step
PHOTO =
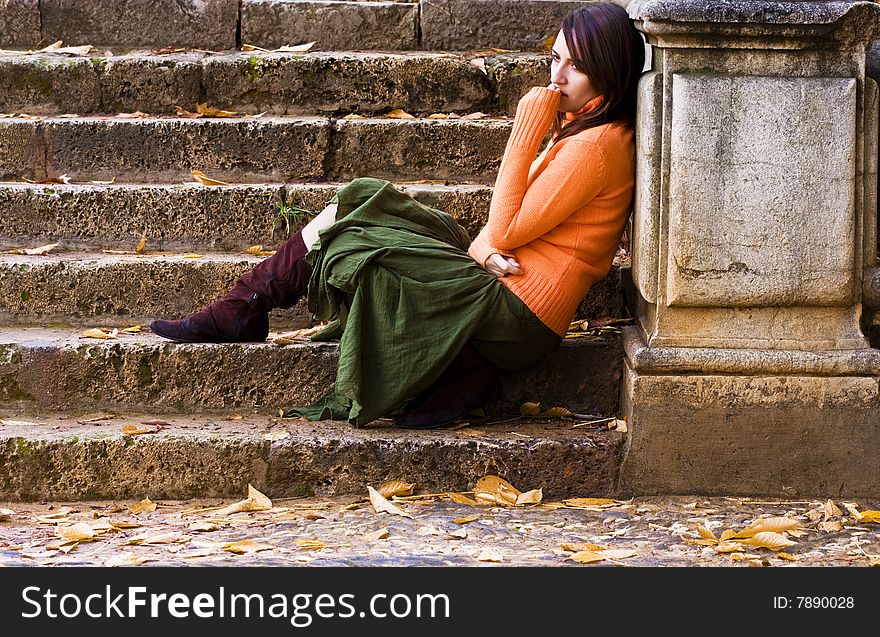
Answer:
(122, 290)
(146, 372)
(252, 149)
(190, 217)
(55, 457)
(274, 83)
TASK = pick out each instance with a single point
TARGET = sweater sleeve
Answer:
(520, 213)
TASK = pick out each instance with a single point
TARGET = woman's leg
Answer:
(242, 315)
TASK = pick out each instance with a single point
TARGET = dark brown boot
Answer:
(242, 315)
(468, 382)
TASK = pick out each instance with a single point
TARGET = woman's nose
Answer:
(557, 77)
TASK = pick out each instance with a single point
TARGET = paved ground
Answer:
(349, 531)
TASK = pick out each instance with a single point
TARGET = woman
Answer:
(425, 317)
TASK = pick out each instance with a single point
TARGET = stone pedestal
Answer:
(754, 232)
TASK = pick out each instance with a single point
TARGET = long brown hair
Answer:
(604, 44)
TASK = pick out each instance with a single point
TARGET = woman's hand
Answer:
(501, 266)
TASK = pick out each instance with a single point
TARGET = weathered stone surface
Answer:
(646, 207)
(48, 84)
(150, 84)
(144, 371)
(205, 24)
(342, 83)
(138, 150)
(421, 149)
(506, 24)
(758, 217)
(212, 457)
(800, 436)
(514, 75)
(20, 151)
(333, 25)
(19, 23)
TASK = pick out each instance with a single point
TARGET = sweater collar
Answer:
(592, 105)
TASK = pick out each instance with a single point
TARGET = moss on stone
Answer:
(145, 373)
(22, 448)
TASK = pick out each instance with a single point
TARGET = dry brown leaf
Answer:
(706, 533)
(787, 556)
(246, 546)
(354, 116)
(163, 537)
(830, 526)
(466, 520)
(742, 557)
(134, 329)
(582, 546)
(79, 532)
(870, 516)
(289, 338)
(437, 116)
(203, 109)
(203, 179)
(40, 251)
(255, 501)
(398, 113)
(145, 505)
(460, 498)
(533, 410)
(490, 555)
(727, 534)
(618, 554)
(99, 333)
(6, 514)
(382, 505)
(727, 547)
(775, 525)
(72, 50)
(767, 540)
(396, 487)
(496, 490)
(182, 112)
(585, 557)
(258, 251)
(134, 430)
(299, 48)
(605, 503)
(381, 534)
(142, 244)
(477, 115)
(530, 497)
(831, 509)
(203, 527)
(125, 559)
(310, 545)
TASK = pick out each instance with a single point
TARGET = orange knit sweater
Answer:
(561, 215)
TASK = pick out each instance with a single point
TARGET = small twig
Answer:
(592, 423)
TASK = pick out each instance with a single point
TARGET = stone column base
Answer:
(748, 422)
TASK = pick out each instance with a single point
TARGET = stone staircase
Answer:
(96, 153)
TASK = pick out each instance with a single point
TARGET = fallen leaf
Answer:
(591, 502)
(787, 556)
(619, 425)
(477, 115)
(396, 487)
(299, 48)
(203, 526)
(549, 42)
(203, 179)
(831, 509)
(706, 533)
(533, 410)
(870, 516)
(246, 546)
(490, 555)
(68, 546)
(125, 559)
(775, 525)
(497, 490)
(255, 501)
(134, 430)
(182, 112)
(459, 498)
(381, 534)
(207, 111)
(727, 547)
(135, 115)
(354, 116)
(767, 540)
(289, 338)
(165, 537)
(6, 514)
(382, 505)
(530, 497)
(142, 244)
(72, 50)
(582, 546)
(480, 63)
(99, 333)
(145, 505)
(466, 520)
(193, 256)
(156, 421)
(458, 534)
(398, 113)
(134, 329)
(437, 116)
(830, 526)
(586, 557)
(310, 545)
(79, 532)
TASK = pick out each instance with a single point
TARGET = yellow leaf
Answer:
(79, 532)
(142, 244)
(354, 116)
(382, 505)
(437, 116)
(618, 554)
(299, 48)
(727, 547)
(310, 545)
(466, 520)
(741, 557)
(203, 526)
(203, 179)
(166, 537)
(787, 556)
(381, 534)
(134, 430)
(585, 557)
(775, 525)
(497, 490)
(254, 250)
(398, 113)
(727, 534)
(530, 497)
(246, 546)
(590, 502)
(831, 509)
(490, 555)
(582, 546)
(134, 329)
(705, 533)
(533, 410)
(549, 42)
(125, 559)
(289, 338)
(207, 111)
(182, 112)
(830, 526)
(255, 501)
(396, 487)
(767, 540)
(144, 505)
(99, 333)
(251, 47)
(458, 498)
(870, 516)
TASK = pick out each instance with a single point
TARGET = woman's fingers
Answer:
(499, 265)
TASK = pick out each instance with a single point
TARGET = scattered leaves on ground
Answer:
(39, 251)
(203, 179)
(246, 546)
(255, 501)
(396, 487)
(135, 430)
(100, 332)
(144, 506)
(382, 505)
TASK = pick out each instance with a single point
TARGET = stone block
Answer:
(238, 151)
(19, 23)
(48, 85)
(756, 215)
(459, 25)
(204, 24)
(150, 84)
(426, 149)
(646, 207)
(514, 75)
(21, 154)
(342, 83)
(389, 26)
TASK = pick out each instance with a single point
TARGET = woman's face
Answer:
(574, 85)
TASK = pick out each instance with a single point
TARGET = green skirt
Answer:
(393, 279)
